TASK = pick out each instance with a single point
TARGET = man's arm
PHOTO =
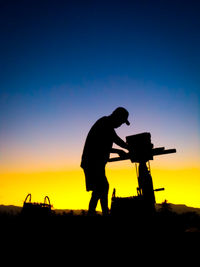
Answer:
(115, 150)
(118, 141)
(120, 152)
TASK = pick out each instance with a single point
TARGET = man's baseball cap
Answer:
(121, 113)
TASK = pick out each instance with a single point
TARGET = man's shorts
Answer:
(95, 179)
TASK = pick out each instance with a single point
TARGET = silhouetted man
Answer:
(98, 146)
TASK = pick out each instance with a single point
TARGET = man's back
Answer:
(98, 144)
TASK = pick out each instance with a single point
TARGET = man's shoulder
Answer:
(103, 121)
(102, 126)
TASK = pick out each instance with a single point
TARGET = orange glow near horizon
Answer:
(66, 189)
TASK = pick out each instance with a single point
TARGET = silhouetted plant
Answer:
(166, 207)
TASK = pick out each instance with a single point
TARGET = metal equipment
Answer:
(141, 150)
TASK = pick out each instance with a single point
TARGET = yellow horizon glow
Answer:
(66, 189)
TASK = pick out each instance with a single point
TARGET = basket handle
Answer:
(47, 199)
(28, 196)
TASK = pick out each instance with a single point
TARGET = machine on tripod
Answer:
(141, 150)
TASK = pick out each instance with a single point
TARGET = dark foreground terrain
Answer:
(164, 220)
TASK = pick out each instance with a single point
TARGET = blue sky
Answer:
(66, 63)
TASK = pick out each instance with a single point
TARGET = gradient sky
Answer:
(64, 64)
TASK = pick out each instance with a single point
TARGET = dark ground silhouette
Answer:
(164, 220)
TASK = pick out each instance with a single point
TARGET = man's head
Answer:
(119, 116)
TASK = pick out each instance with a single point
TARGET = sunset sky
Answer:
(64, 64)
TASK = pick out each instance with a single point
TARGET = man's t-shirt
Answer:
(98, 144)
